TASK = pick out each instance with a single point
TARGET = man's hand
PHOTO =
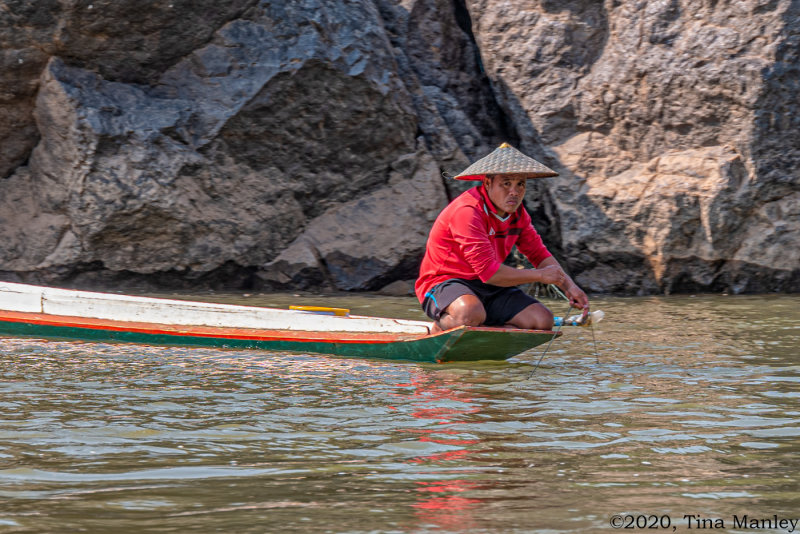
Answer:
(577, 298)
(552, 274)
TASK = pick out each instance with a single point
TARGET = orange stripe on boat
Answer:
(204, 331)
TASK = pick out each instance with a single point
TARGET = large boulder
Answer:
(123, 41)
(367, 242)
(222, 163)
(671, 125)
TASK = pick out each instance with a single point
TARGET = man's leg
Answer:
(534, 317)
(466, 310)
(513, 308)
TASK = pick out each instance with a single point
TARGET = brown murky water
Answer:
(685, 416)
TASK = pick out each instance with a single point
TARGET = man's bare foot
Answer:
(435, 328)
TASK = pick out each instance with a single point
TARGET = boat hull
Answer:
(458, 344)
(45, 312)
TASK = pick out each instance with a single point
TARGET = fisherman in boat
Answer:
(462, 280)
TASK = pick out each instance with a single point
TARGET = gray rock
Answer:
(398, 288)
(123, 41)
(226, 159)
(302, 145)
(656, 114)
(364, 243)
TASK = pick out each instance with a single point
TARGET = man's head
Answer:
(506, 193)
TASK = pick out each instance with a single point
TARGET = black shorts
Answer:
(501, 303)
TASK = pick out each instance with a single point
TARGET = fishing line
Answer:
(594, 342)
(591, 322)
(555, 334)
(554, 289)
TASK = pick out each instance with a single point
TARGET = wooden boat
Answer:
(42, 312)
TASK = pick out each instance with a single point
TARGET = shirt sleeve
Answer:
(531, 245)
(471, 232)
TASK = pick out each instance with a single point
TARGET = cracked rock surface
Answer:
(301, 145)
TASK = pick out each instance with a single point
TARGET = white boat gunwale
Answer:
(127, 308)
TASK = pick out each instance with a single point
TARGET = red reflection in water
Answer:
(442, 414)
(439, 502)
(448, 511)
(441, 457)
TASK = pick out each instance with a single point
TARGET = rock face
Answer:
(393, 219)
(302, 145)
(671, 124)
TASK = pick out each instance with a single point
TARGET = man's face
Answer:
(505, 193)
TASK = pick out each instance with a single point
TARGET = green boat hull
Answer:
(456, 345)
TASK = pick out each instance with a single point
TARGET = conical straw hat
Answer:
(507, 161)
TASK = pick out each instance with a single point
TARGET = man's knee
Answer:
(466, 310)
(534, 317)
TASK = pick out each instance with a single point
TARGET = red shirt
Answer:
(469, 241)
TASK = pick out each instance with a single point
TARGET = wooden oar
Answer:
(322, 310)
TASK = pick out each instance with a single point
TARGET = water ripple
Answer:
(694, 416)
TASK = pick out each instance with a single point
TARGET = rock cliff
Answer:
(302, 145)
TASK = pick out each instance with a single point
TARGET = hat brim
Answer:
(525, 175)
(508, 162)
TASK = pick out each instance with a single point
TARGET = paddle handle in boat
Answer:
(323, 310)
(575, 320)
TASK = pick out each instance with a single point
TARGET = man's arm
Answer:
(548, 272)
(531, 245)
(506, 276)
(577, 298)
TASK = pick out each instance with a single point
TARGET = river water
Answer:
(682, 413)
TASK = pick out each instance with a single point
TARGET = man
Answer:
(462, 279)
